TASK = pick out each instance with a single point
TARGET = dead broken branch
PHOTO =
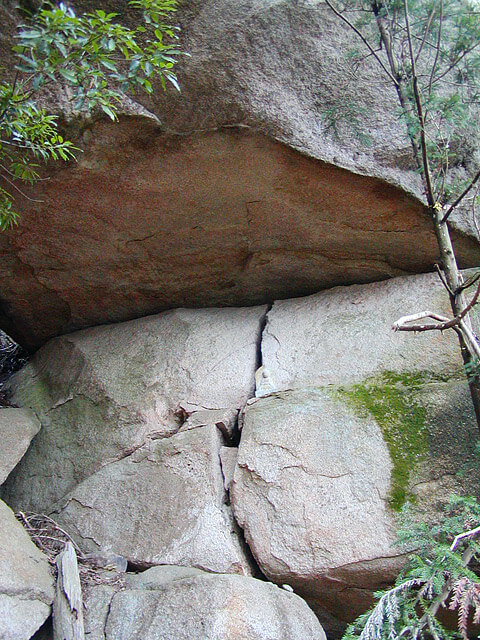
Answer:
(411, 323)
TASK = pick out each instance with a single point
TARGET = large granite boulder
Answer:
(18, 427)
(322, 472)
(187, 604)
(355, 420)
(164, 504)
(243, 194)
(26, 583)
(344, 335)
(102, 393)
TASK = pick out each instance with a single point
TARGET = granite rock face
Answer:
(344, 335)
(310, 491)
(188, 604)
(17, 428)
(26, 584)
(102, 393)
(196, 437)
(241, 195)
(164, 504)
(322, 471)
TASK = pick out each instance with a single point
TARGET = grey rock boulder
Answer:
(310, 492)
(26, 583)
(104, 392)
(322, 472)
(164, 504)
(224, 419)
(188, 604)
(17, 428)
(343, 335)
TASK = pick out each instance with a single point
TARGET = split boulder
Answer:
(102, 393)
(17, 428)
(164, 504)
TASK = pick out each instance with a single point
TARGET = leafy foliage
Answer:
(98, 58)
(442, 572)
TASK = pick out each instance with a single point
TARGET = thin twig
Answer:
(420, 116)
(437, 55)
(461, 536)
(365, 41)
(468, 283)
(425, 33)
(461, 197)
(443, 279)
(12, 184)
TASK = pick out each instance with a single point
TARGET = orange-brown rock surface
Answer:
(145, 222)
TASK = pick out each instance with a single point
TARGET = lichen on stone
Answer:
(391, 398)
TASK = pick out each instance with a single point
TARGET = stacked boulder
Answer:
(211, 449)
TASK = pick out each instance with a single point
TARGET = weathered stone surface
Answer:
(17, 428)
(26, 584)
(342, 335)
(224, 419)
(164, 504)
(160, 602)
(310, 489)
(104, 392)
(228, 460)
(229, 201)
(319, 472)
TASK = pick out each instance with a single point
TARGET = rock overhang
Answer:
(146, 221)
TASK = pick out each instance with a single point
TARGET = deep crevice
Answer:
(45, 632)
(263, 324)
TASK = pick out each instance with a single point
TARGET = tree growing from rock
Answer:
(95, 60)
(429, 51)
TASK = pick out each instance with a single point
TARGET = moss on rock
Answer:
(391, 399)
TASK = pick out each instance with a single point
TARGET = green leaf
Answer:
(109, 111)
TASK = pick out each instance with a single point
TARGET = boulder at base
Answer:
(343, 335)
(104, 392)
(26, 584)
(359, 420)
(187, 604)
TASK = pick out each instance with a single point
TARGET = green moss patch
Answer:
(391, 399)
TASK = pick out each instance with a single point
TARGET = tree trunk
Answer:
(458, 301)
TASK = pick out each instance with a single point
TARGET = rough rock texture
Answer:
(319, 475)
(230, 201)
(310, 489)
(102, 393)
(224, 419)
(187, 604)
(26, 584)
(345, 334)
(177, 515)
(17, 428)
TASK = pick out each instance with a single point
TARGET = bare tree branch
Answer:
(425, 33)
(437, 55)
(421, 117)
(365, 41)
(461, 197)
(466, 534)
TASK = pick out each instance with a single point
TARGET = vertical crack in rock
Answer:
(263, 324)
(228, 455)
(107, 616)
